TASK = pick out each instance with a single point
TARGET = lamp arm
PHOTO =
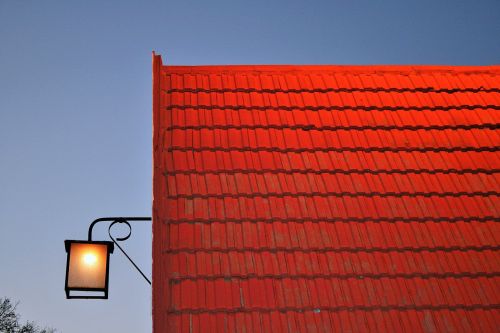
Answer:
(124, 220)
(112, 219)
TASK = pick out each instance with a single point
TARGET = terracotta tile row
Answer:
(321, 118)
(329, 294)
(333, 207)
(304, 80)
(265, 183)
(466, 321)
(322, 236)
(293, 139)
(346, 160)
(299, 264)
(356, 99)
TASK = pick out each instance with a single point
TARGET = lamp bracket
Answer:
(120, 220)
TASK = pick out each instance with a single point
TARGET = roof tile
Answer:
(326, 198)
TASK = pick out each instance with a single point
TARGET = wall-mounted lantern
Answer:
(87, 269)
(87, 264)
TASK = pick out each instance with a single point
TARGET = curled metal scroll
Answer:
(121, 239)
(123, 221)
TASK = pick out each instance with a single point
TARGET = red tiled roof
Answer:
(326, 198)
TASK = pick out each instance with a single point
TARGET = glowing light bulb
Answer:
(89, 259)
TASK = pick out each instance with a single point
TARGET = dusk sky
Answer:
(75, 114)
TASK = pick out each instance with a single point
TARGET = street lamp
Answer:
(87, 264)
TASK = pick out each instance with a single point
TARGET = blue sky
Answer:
(75, 113)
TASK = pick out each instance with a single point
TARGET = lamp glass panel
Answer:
(87, 265)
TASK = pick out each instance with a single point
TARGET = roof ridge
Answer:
(484, 69)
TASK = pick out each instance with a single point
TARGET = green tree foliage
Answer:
(10, 320)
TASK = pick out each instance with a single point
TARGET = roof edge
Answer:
(333, 68)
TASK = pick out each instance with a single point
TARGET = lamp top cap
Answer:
(68, 242)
